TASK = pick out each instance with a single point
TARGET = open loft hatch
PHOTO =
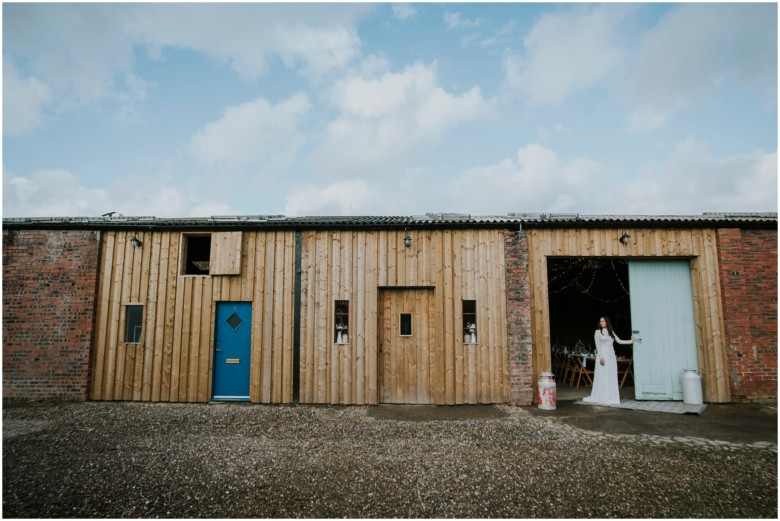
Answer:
(583, 289)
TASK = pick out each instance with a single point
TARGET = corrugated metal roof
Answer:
(430, 220)
(705, 219)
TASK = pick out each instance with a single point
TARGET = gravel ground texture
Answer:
(118, 460)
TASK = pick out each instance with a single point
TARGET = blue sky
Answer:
(178, 110)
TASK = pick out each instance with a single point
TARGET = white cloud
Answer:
(567, 51)
(136, 90)
(252, 132)
(340, 198)
(320, 50)
(76, 50)
(321, 38)
(693, 180)
(60, 193)
(24, 100)
(48, 193)
(79, 51)
(536, 180)
(386, 117)
(403, 11)
(697, 48)
(454, 21)
(210, 209)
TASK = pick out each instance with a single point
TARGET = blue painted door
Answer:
(662, 319)
(232, 341)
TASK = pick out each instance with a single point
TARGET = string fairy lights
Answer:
(587, 276)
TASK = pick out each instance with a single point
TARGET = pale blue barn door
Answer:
(662, 319)
(232, 346)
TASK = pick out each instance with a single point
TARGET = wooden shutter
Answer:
(225, 253)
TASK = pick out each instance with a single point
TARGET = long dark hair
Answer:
(609, 326)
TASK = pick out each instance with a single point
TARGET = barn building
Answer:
(434, 309)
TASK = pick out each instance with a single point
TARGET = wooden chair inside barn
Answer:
(625, 367)
(558, 366)
(567, 369)
(579, 370)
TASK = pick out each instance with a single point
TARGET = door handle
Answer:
(380, 347)
(218, 348)
(636, 335)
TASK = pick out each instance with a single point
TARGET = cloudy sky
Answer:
(178, 110)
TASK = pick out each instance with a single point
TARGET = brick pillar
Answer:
(49, 286)
(748, 274)
(518, 300)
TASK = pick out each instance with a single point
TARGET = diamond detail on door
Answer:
(234, 321)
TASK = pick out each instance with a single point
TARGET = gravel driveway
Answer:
(176, 460)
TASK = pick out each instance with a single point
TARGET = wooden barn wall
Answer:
(698, 245)
(357, 266)
(173, 361)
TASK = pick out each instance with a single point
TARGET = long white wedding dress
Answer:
(605, 383)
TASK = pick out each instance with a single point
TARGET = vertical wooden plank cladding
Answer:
(171, 316)
(189, 389)
(114, 374)
(206, 342)
(288, 272)
(457, 328)
(449, 319)
(711, 315)
(268, 307)
(159, 327)
(358, 344)
(308, 382)
(175, 361)
(258, 312)
(104, 305)
(150, 331)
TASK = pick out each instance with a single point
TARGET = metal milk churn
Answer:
(547, 392)
(691, 387)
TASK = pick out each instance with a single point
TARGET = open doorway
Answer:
(582, 289)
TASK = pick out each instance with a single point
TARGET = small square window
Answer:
(406, 324)
(134, 323)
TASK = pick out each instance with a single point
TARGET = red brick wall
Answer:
(49, 283)
(518, 300)
(748, 274)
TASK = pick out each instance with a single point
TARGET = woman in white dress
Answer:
(605, 383)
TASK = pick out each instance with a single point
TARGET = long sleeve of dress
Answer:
(603, 340)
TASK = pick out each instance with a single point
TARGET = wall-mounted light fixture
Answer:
(135, 241)
(624, 238)
(407, 240)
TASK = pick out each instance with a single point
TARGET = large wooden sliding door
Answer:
(663, 319)
(407, 346)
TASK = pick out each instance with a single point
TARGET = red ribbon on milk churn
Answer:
(547, 391)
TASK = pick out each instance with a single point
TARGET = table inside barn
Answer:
(576, 367)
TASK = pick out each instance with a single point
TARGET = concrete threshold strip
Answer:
(673, 407)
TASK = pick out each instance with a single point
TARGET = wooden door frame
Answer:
(432, 327)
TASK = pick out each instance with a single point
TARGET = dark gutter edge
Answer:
(252, 226)
(638, 225)
(297, 227)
